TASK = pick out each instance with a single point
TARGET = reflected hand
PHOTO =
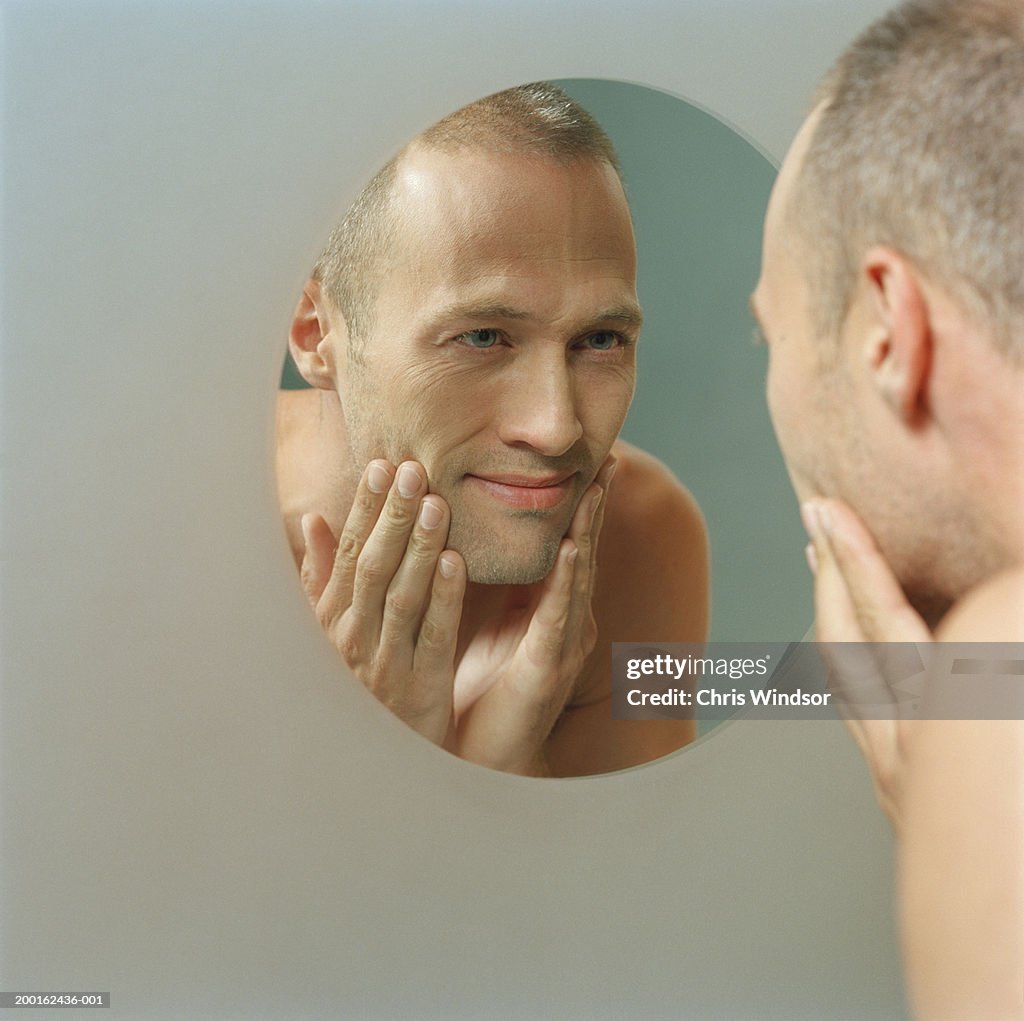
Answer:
(392, 611)
(531, 658)
(390, 596)
(858, 599)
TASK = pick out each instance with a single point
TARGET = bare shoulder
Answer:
(992, 612)
(648, 503)
(653, 553)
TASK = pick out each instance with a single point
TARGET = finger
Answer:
(409, 589)
(834, 613)
(582, 533)
(383, 551)
(439, 632)
(864, 643)
(317, 557)
(852, 674)
(877, 741)
(371, 494)
(546, 632)
(604, 480)
(878, 600)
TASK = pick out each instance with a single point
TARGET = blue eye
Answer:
(604, 341)
(480, 339)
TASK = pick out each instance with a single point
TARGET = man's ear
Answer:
(899, 339)
(317, 332)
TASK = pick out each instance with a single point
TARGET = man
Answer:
(892, 301)
(471, 332)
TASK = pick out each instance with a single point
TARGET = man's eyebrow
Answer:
(627, 314)
(480, 310)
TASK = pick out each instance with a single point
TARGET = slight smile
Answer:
(526, 492)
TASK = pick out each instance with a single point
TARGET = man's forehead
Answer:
(777, 263)
(463, 214)
(792, 165)
(479, 182)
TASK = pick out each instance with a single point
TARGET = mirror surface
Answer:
(697, 191)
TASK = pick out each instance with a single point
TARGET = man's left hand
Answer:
(858, 599)
(531, 658)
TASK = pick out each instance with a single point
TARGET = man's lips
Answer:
(529, 492)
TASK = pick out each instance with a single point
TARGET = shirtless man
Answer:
(892, 301)
(471, 333)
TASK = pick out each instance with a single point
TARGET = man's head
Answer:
(477, 312)
(893, 281)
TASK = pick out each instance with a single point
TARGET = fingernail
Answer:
(408, 481)
(430, 514)
(610, 474)
(378, 478)
(812, 557)
(595, 502)
(306, 523)
(447, 565)
(573, 554)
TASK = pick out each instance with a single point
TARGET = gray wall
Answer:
(199, 814)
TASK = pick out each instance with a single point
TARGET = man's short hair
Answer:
(920, 146)
(538, 120)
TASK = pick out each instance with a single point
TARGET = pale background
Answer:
(198, 814)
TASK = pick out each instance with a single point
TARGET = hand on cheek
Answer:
(389, 595)
(859, 608)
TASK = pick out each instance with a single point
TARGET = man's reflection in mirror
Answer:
(469, 336)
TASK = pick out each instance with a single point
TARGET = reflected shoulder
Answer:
(648, 502)
(653, 556)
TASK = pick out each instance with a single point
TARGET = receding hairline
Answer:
(537, 121)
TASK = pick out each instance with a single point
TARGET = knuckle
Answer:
(434, 637)
(349, 648)
(365, 502)
(400, 605)
(444, 597)
(370, 571)
(422, 547)
(397, 515)
(349, 547)
(306, 574)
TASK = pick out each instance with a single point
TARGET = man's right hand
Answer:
(390, 596)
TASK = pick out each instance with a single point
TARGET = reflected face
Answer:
(501, 354)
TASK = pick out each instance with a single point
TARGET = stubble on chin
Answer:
(510, 548)
(487, 563)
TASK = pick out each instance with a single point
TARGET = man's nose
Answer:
(540, 409)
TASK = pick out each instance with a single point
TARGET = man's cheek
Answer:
(605, 417)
